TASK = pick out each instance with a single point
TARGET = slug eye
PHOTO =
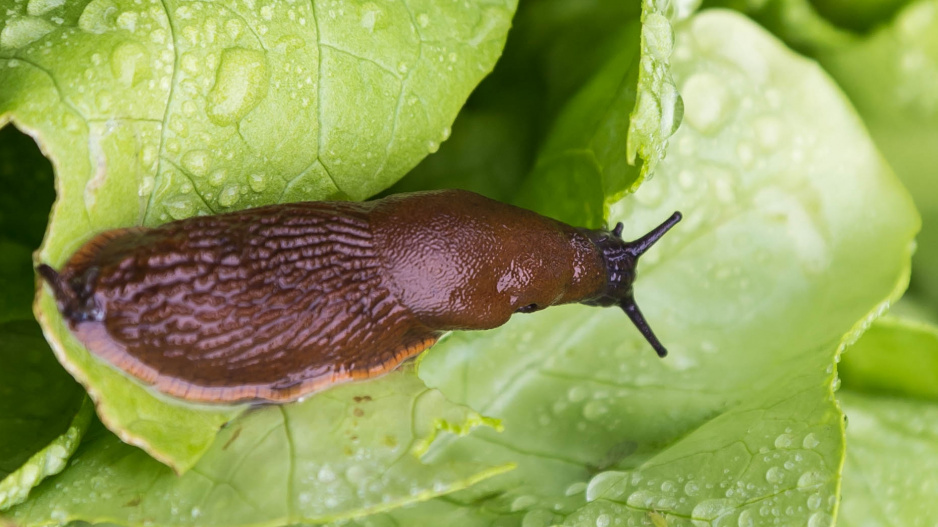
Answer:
(530, 308)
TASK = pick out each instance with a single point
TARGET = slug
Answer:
(273, 303)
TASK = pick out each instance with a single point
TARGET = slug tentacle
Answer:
(631, 309)
(638, 247)
(620, 259)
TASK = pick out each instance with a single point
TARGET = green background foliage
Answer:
(782, 166)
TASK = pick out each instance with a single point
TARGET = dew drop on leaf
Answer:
(20, 32)
(99, 16)
(811, 478)
(820, 519)
(712, 509)
(691, 488)
(523, 503)
(810, 441)
(41, 7)
(774, 475)
(240, 85)
(229, 195)
(197, 162)
(130, 63)
(258, 182)
(601, 484)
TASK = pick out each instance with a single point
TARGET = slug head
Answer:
(621, 258)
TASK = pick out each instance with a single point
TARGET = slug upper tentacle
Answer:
(273, 303)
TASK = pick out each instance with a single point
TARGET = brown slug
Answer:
(276, 302)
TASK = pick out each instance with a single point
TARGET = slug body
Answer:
(274, 303)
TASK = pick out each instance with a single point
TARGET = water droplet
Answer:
(20, 32)
(775, 475)
(810, 441)
(197, 162)
(41, 7)
(229, 195)
(432, 146)
(356, 474)
(835, 385)
(768, 132)
(603, 520)
(196, 512)
(146, 186)
(130, 63)
(723, 187)
(814, 502)
(577, 394)
(594, 410)
(691, 488)
(258, 182)
(233, 27)
(783, 441)
(103, 100)
(267, 12)
(240, 85)
(641, 499)
(745, 154)
(602, 483)
(326, 475)
(423, 20)
(712, 509)
(217, 177)
(523, 503)
(745, 519)
(575, 488)
(99, 16)
(158, 36)
(812, 478)
(820, 519)
(370, 16)
(538, 518)
(127, 20)
(707, 102)
(179, 207)
(447, 131)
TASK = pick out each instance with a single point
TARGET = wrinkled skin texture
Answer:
(277, 302)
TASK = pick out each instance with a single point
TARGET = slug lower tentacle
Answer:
(274, 303)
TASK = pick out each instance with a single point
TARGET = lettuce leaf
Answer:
(890, 398)
(354, 450)
(192, 108)
(754, 293)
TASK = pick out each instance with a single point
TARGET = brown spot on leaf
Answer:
(234, 436)
(361, 398)
(358, 412)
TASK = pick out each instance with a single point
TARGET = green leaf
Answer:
(157, 113)
(348, 452)
(43, 412)
(555, 47)
(630, 102)
(891, 76)
(890, 470)
(892, 442)
(754, 294)
(895, 356)
(858, 15)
